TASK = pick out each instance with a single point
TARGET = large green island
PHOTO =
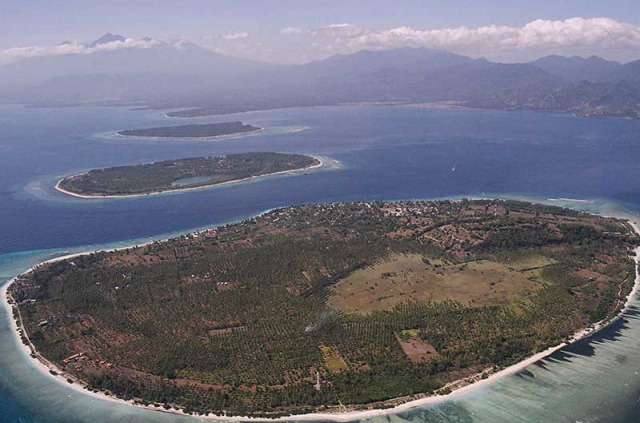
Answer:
(327, 307)
(181, 174)
(204, 130)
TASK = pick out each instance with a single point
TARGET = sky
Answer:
(298, 31)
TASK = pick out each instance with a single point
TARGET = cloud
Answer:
(539, 33)
(235, 36)
(291, 30)
(17, 53)
(342, 30)
(584, 36)
(569, 34)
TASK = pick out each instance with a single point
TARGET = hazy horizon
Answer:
(243, 56)
(286, 32)
(83, 47)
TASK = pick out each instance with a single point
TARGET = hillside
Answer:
(628, 72)
(180, 75)
(153, 71)
(595, 99)
(577, 69)
(419, 75)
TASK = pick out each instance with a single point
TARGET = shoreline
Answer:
(165, 191)
(473, 382)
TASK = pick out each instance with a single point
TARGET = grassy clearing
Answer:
(332, 359)
(530, 262)
(408, 277)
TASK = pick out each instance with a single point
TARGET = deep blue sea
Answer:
(371, 153)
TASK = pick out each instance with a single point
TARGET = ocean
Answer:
(371, 153)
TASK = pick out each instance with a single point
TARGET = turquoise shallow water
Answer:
(382, 153)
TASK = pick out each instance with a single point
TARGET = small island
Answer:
(223, 109)
(206, 130)
(181, 174)
(332, 307)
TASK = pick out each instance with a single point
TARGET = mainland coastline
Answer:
(457, 387)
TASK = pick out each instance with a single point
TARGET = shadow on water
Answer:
(632, 311)
(442, 413)
(586, 347)
(524, 374)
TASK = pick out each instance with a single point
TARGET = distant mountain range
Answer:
(181, 74)
(576, 69)
(149, 71)
(106, 39)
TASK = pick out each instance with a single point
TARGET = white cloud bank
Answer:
(17, 53)
(574, 34)
(539, 33)
(235, 36)
(583, 36)
(291, 30)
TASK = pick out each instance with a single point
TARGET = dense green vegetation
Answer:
(236, 319)
(205, 130)
(182, 173)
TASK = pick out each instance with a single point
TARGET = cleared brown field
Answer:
(416, 349)
(408, 277)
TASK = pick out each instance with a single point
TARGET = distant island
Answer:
(206, 130)
(214, 111)
(331, 307)
(180, 174)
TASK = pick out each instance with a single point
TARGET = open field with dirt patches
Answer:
(414, 277)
